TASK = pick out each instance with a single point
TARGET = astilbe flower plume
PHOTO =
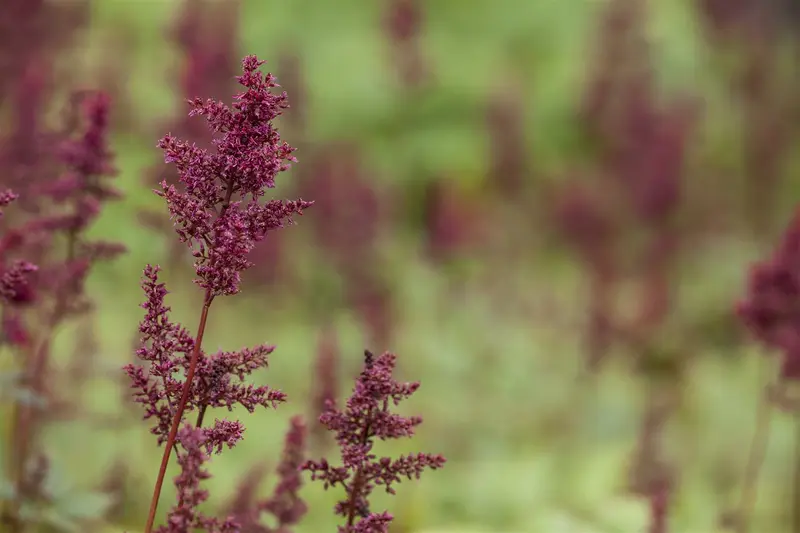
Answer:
(273, 266)
(365, 418)
(34, 35)
(219, 215)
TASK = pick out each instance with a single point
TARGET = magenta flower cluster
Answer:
(219, 215)
(14, 274)
(365, 418)
(219, 378)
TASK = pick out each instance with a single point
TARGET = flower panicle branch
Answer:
(365, 418)
(166, 347)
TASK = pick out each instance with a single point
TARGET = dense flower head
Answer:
(14, 283)
(771, 307)
(166, 348)
(367, 416)
(219, 215)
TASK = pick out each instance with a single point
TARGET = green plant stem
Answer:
(796, 477)
(758, 450)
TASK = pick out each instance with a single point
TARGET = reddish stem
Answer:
(358, 481)
(176, 419)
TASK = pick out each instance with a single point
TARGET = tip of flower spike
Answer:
(251, 63)
(7, 197)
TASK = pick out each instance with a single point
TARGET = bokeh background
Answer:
(546, 208)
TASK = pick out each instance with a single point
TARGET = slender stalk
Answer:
(200, 414)
(758, 450)
(796, 477)
(358, 480)
(176, 419)
(651, 477)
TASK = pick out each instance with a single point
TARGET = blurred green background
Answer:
(494, 335)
